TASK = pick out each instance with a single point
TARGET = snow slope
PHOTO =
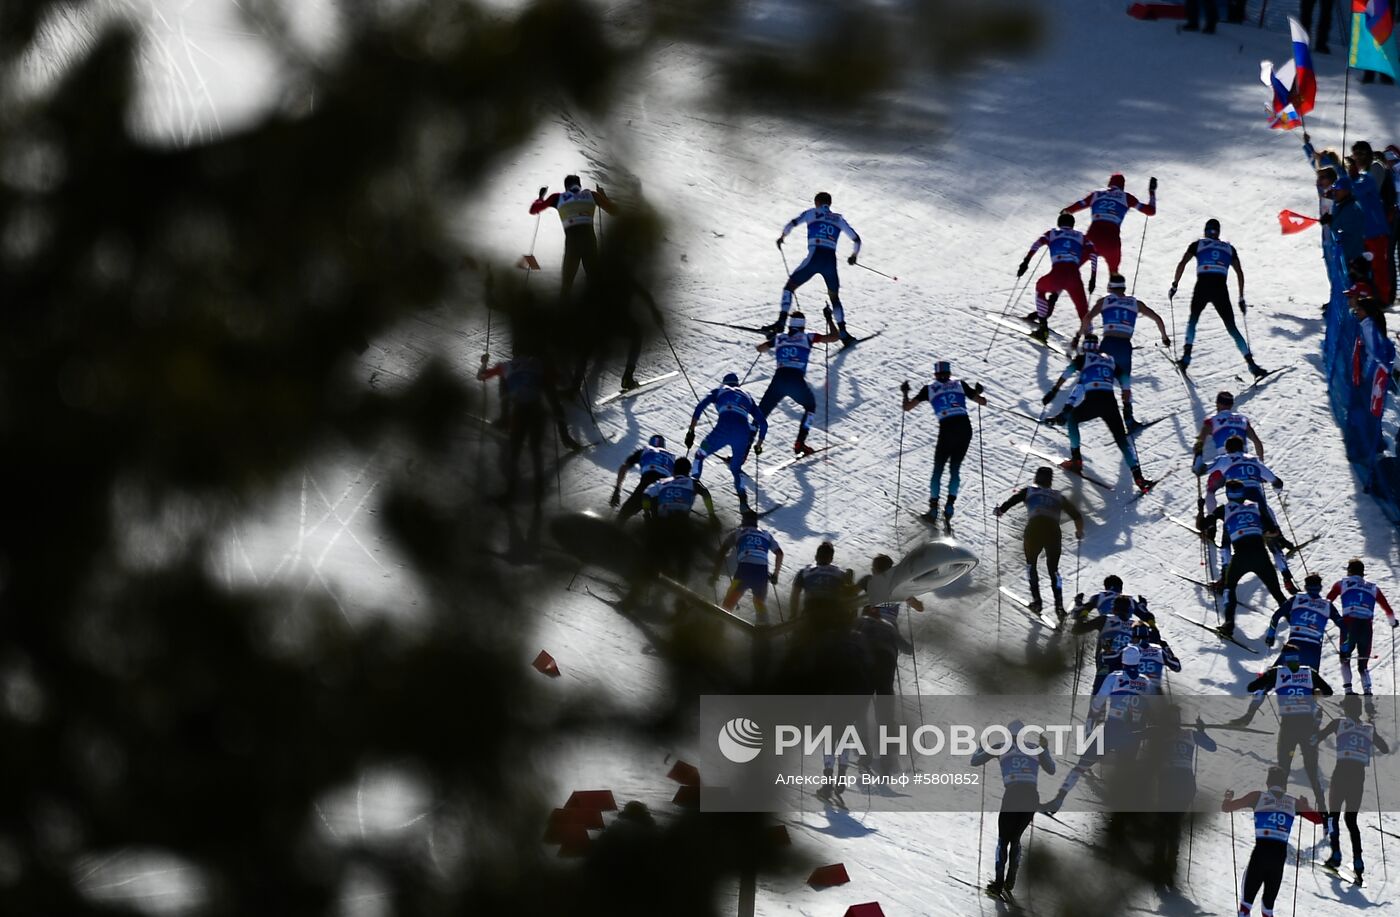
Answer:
(949, 206)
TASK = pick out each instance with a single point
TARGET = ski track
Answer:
(951, 215)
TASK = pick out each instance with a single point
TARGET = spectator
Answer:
(1324, 23)
(1368, 179)
(1346, 221)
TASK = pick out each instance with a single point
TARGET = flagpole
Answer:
(1346, 94)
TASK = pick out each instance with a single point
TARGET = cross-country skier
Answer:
(1294, 684)
(1359, 598)
(667, 505)
(1274, 812)
(824, 230)
(1219, 427)
(821, 594)
(1119, 313)
(1020, 765)
(529, 399)
(1355, 744)
(1234, 462)
(1243, 548)
(738, 419)
(1107, 208)
(879, 625)
(948, 398)
(1156, 656)
(1092, 399)
(1307, 615)
(1115, 705)
(1068, 250)
(655, 462)
(576, 205)
(1174, 749)
(751, 546)
(1043, 509)
(1214, 259)
(1114, 623)
(792, 351)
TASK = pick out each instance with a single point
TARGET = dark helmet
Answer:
(1066, 221)
(822, 199)
(1123, 605)
(682, 467)
(730, 379)
(571, 182)
(1351, 706)
(1355, 567)
(942, 368)
(749, 517)
(826, 552)
(1290, 656)
(881, 563)
(1225, 399)
(1277, 778)
(1116, 180)
(1312, 583)
(1117, 283)
(1091, 343)
(1234, 489)
(658, 441)
(1142, 632)
(1113, 583)
(1234, 444)
(1044, 475)
(1213, 228)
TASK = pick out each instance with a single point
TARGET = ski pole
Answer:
(1394, 680)
(873, 271)
(750, 369)
(899, 465)
(1171, 308)
(998, 576)
(1380, 815)
(1292, 533)
(1297, 860)
(1141, 242)
(826, 431)
(1010, 299)
(981, 820)
(914, 654)
(1234, 864)
(982, 470)
(1078, 550)
(679, 365)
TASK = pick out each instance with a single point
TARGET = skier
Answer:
(1234, 462)
(948, 399)
(1307, 615)
(1068, 250)
(738, 420)
(667, 505)
(655, 462)
(1359, 599)
(1092, 399)
(1174, 749)
(1219, 427)
(1042, 534)
(576, 206)
(1156, 655)
(529, 399)
(1242, 547)
(821, 592)
(1355, 742)
(751, 546)
(1020, 776)
(1107, 208)
(1214, 259)
(1114, 624)
(792, 351)
(879, 626)
(1274, 812)
(824, 230)
(1115, 705)
(1294, 684)
(1119, 313)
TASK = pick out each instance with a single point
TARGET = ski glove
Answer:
(1244, 306)
(904, 387)
(1325, 219)
(1198, 465)
(1048, 397)
(758, 448)
(1395, 622)
(1093, 278)
(826, 314)
(780, 243)
(773, 577)
(544, 189)
(690, 437)
(1152, 185)
(851, 260)
(1269, 636)
(1171, 294)
(1022, 269)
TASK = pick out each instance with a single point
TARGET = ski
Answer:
(1029, 450)
(1145, 426)
(1250, 385)
(749, 328)
(769, 472)
(490, 428)
(1342, 873)
(1005, 897)
(942, 524)
(1213, 630)
(1383, 831)
(1047, 618)
(1290, 552)
(1204, 585)
(1027, 332)
(862, 340)
(1151, 485)
(1039, 421)
(1189, 526)
(645, 386)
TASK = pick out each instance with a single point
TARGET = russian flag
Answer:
(1378, 19)
(1305, 78)
(1283, 116)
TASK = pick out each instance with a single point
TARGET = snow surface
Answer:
(948, 204)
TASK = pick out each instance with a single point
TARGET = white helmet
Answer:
(1132, 656)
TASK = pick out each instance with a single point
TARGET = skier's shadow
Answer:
(840, 823)
(1172, 903)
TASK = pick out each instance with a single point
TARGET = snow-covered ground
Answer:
(949, 207)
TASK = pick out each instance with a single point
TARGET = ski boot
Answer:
(1358, 866)
(1036, 604)
(777, 326)
(1131, 423)
(1334, 861)
(1060, 605)
(1031, 318)
(1042, 332)
(801, 449)
(1227, 629)
(1288, 584)
(847, 339)
(629, 382)
(1142, 483)
(1255, 369)
(995, 888)
(1053, 806)
(567, 441)
(1075, 462)
(948, 515)
(931, 517)
(1185, 361)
